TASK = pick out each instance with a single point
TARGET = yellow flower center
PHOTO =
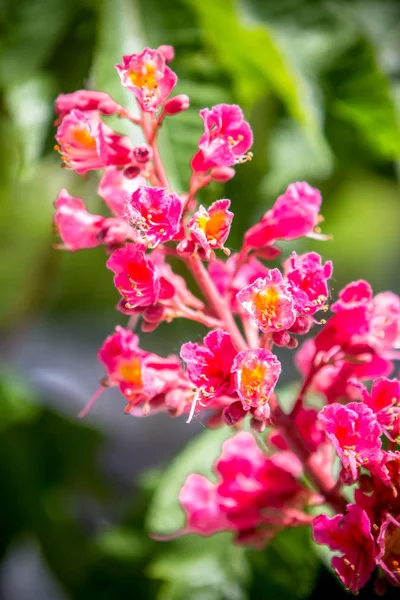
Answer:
(266, 302)
(131, 372)
(145, 78)
(212, 224)
(83, 138)
(252, 379)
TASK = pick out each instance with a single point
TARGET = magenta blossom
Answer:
(256, 374)
(389, 549)
(116, 189)
(294, 214)
(351, 535)
(135, 278)
(354, 433)
(209, 364)
(155, 213)
(227, 138)
(148, 77)
(384, 401)
(253, 497)
(210, 228)
(87, 144)
(86, 100)
(307, 278)
(269, 301)
(80, 229)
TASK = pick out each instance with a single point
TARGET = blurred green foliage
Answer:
(319, 81)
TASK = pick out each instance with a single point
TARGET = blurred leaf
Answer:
(165, 515)
(287, 567)
(29, 104)
(202, 568)
(361, 96)
(31, 30)
(15, 405)
(121, 544)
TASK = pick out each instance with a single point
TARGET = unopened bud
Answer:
(301, 326)
(222, 174)
(233, 413)
(131, 172)
(153, 314)
(167, 52)
(142, 154)
(281, 338)
(186, 248)
(293, 343)
(177, 104)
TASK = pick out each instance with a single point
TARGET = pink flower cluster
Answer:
(252, 307)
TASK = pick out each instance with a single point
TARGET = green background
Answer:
(320, 83)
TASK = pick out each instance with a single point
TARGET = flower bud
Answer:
(281, 338)
(153, 314)
(142, 153)
(293, 343)
(301, 326)
(186, 248)
(177, 104)
(222, 174)
(167, 52)
(131, 172)
(233, 413)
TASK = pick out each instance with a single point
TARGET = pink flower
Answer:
(354, 433)
(293, 215)
(269, 301)
(209, 364)
(155, 213)
(253, 496)
(256, 374)
(87, 144)
(80, 229)
(353, 295)
(148, 77)
(199, 500)
(227, 138)
(210, 228)
(84, 100)
(121, 357)
(146, 380)
(349, 534)
(384, 401)
(135, 276)
(385, 321)
(116, 189)
(389, 549)
(307, 278)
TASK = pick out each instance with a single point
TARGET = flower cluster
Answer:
(253, 306)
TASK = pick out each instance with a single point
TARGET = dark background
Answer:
(319, 82)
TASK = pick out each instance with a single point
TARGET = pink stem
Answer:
(91, 402)
(216, 302)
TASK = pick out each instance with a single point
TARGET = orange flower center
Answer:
(252, 379)
(145, 78)
(212, 224)
(83, 138)
(266, 302)
(131, 372)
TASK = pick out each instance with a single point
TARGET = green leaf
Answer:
(204, 567)
(31, 31)
(16, 405)
(362, 98)
(29, 105)
(287, 567)
(165, 514)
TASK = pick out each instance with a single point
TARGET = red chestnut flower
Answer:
(354, 432)
(307, 278)
(270, 302)
(87, 144)
(136, 279)
(148, 77)
(155, 213)
(226, 140)
(86, 100)
(210, 228)
(256, 374)
(351, 535)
